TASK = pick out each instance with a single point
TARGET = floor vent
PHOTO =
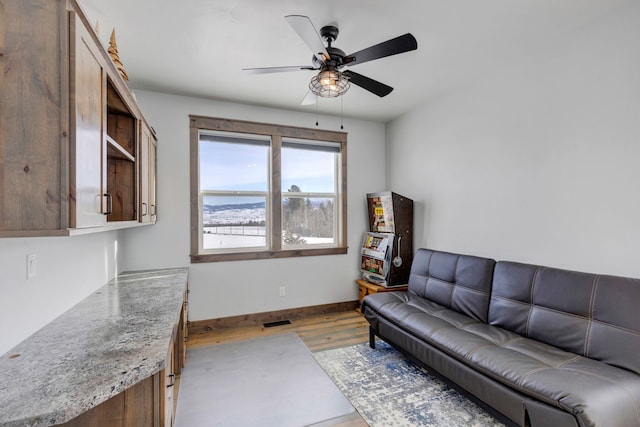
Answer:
(278, 323)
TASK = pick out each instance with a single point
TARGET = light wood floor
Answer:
(319, 333)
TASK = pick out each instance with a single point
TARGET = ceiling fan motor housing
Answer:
(329, 33)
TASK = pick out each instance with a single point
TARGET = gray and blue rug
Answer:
(389, 390)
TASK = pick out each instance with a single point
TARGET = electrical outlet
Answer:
(31, 266)
(282, 291)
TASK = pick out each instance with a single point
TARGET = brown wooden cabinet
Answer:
(86, 175)
(135, 406)
(149, 403)
(73, 157)
(168, 386)
(148, 145)
(185, 329)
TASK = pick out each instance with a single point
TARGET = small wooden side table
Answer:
(368, 288)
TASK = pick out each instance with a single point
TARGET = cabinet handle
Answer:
(110, 199)
(153, 209)
(144, 209)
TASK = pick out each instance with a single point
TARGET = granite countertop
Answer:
(111, 340)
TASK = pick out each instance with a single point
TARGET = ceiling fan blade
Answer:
(400, 44)
(268, 70)
(366, 83)
(310, 98)
(304, 27)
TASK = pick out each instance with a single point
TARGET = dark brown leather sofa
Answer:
(541, 346)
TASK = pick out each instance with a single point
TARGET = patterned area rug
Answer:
(389, 390)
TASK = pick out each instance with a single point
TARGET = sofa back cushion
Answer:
(459, 282)
(591, 315)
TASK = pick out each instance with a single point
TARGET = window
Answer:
(265, 191)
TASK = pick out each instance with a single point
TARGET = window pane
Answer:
(311, 171)
(226, 166)
(307, 221)
(233, 222)
(234, 165)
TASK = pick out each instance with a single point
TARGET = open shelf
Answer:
(115, 104)
(122, 158)
(116, 151)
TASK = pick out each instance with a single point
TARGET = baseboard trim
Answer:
(257, 319)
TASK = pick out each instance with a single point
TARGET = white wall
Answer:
(241, 287)
(68, 269)
(538, 162)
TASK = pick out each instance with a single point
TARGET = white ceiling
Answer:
(198, 47)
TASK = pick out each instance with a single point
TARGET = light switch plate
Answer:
(31, 266)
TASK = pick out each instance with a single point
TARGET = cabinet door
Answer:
(185, 328)
(33, 108)
(147, 175)
(153, 173)
(88, 205)
(169, 386)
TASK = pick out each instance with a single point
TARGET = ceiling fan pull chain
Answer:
(341, 112)
(316, 113)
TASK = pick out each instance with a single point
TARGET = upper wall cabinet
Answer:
(87, 84)
(148, 146)
(76, 154)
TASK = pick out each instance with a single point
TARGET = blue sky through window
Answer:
(226, 166)
(311, 171)
(230, 166)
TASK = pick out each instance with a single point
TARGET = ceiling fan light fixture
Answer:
(329, 83)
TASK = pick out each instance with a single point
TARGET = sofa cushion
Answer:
(592, 391)
(459, 282)
(586, 314)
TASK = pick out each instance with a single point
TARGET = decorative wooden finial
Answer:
(113, 53)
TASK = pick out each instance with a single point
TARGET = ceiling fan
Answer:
(331, 82)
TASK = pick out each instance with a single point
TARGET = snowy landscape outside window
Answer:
(234, 186)
(265, 191)
(310, 172)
